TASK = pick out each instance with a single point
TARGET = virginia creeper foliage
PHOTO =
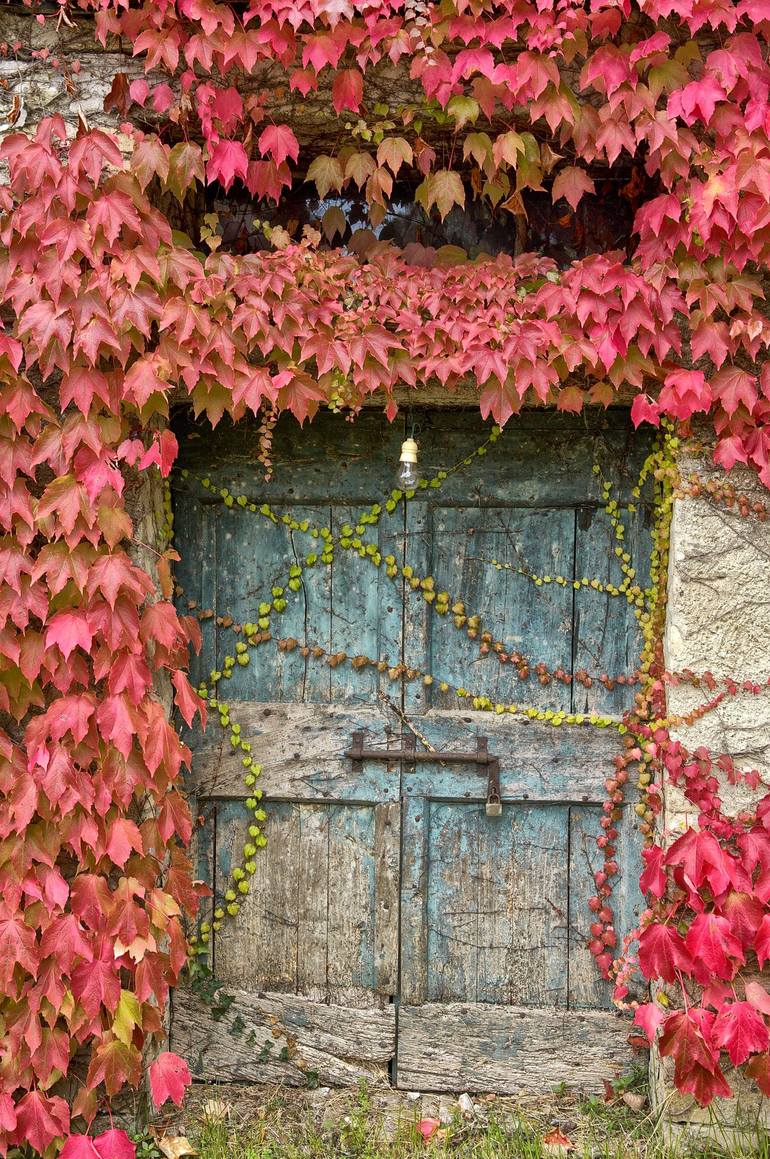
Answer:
(110, 315)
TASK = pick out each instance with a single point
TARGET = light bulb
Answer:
(407, 475)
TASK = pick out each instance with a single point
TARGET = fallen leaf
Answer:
(216, 1111)
(557, 1143)
(635, 1101)
(175, 1146)
(428, 1128)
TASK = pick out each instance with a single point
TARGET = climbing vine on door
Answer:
(637, 583)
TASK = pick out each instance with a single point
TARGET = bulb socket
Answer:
(408, 451)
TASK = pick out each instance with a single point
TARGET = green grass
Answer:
(279, 1125)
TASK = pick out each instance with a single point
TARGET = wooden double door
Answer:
(394, 930)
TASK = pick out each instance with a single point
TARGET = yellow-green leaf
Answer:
(444, 189)
(508, 147)
(327, 174)
(395, 152)
(479, 147)
(462, 110)
(127, 1016)
(359, 168)
(333, 222)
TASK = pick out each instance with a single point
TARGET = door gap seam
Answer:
(568, 932)
(575, 612)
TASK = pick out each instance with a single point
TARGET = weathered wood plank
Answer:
(260, 947)
(352, 891)
(534, 620)
(497, 889)
(387, 861)
(587, 990)
(366, 606)
(195, 527)
(496, 904)
(417, 615)
(202, 856)
(301, 750)
(335, 1045)
(607, 635)
(413, 982)
(313, 901)
(541, 459)
(451, 878)
(586, 986)
(328, 459)
(531, 870)
(473, 1047)
(253, 556)
(542, 454)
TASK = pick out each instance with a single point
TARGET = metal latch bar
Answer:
(486, 762)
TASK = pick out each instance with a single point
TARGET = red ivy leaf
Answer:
(715, 952)
(741, 1031)
(662, 951)
(79, 1147)
(762, 941)
(758, 1068)
(653, 879)
(41, 1119)
(348, 90)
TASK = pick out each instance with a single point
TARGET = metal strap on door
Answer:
(487, 764)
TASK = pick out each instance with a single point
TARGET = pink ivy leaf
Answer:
(729, 451)
(124, 838)
(139, 91)
(649, 1017)
(186, 699)
(69, 630)
(80, 1147)
(7, 1113)
(758, 997)
(644, 410)
(228, 160)
(427, 1128)
(685, 393)
(162, 98)
(162, 452)
(114, 1144)
(169, 1077)
(279, 142)
(572, 183)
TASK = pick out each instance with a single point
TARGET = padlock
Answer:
(494, 807)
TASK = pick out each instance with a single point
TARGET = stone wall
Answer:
(718, 620)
